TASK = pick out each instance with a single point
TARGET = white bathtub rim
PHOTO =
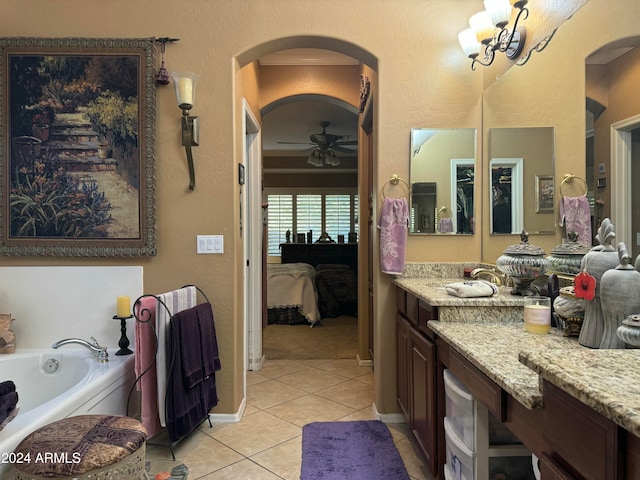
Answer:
(68, 403)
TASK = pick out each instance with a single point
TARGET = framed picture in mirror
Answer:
(544, 193)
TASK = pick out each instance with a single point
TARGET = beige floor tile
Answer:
(199, 452)
(312, 379)
(362, 414)
(255, 377)
(284, 460)
(310, 408)
(315, 362)
(246, 469)
(249, 409)
(278, 368)
(399, 431)
(268, 394)
(351, 393)
(345, 367)
(255, 433)
(367, 378)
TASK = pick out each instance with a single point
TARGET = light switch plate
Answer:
(208, 244)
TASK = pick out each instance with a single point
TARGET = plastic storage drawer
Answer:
(460, 459)
(460, 409)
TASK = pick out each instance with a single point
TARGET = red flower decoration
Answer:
(584, 286)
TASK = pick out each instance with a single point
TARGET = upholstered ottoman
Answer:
(86, 446)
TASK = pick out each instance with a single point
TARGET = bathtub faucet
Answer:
(99, 353)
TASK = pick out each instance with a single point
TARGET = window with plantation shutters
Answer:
(299, 212)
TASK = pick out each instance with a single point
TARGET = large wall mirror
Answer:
(443, 163)
(613, 138)
(521, 173)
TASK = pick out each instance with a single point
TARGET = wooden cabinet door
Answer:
(402, 363)
(423, 396)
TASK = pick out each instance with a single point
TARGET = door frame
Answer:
(251, 197)
(621, 176)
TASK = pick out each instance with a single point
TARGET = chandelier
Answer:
(319, 158)
(488, 29)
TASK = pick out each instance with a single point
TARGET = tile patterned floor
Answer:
(281, 398)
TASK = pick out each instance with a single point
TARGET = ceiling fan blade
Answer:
(340, 149)
(348, 142)
(295, 143)
(319, 138)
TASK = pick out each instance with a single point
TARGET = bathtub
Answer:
(54, 384)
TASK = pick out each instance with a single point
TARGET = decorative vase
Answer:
(629, 331)
(523, 263)
(567, 257)
(600, 258)
(619, 296)
(570, 309)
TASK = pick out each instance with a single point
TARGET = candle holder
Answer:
(123, 343)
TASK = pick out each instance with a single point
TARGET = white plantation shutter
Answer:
(336, 214)
(279, 220)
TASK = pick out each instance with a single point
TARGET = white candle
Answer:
(185, 91)
(537, 314)
(124, 306)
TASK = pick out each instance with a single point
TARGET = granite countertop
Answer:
(494, 349)
(432, 290)
(606, 380)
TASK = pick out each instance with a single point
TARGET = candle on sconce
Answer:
(124, 307)
(185, 91)
(537, 314)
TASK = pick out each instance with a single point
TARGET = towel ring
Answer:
(568, 179)
(394, 180)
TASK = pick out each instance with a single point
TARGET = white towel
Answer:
(473, 288)
(175, 301)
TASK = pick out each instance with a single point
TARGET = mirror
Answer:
(521, 169)
(442, 170)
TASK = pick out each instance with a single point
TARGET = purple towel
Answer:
(445, 225)
(575, 215)
(393, 224)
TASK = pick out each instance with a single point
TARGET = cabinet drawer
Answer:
(568, 424)
(426, 312)
(401, 301)
(479, 385)
(412, 308)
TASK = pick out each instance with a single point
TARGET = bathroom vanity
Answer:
(576, 409)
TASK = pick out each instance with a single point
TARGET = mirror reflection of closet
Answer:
(518, 159)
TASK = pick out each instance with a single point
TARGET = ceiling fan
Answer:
(325, 146)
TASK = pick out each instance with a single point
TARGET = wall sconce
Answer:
(489, 28)
(185, 85)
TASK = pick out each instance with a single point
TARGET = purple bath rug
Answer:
(362, 450)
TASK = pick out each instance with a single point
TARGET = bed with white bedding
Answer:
(291, 288)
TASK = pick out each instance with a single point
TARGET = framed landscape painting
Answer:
(77, 147)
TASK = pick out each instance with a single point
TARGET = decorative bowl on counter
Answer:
(524, 263)
(629, 331)
(570, 310)
(567, 257)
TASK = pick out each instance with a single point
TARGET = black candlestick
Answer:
(124, 341)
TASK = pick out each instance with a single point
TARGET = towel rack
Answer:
(140, 316)
(568, 179)
(393, 181)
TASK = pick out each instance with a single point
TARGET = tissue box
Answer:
(7, 337)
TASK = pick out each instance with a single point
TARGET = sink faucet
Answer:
(488, 274)
(99, 353)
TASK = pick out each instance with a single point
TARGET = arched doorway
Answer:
(369, 63)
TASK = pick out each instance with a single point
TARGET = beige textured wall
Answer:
(419, 86)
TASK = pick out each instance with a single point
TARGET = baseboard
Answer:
(229, 417)
(363, 363)
(388, 417)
